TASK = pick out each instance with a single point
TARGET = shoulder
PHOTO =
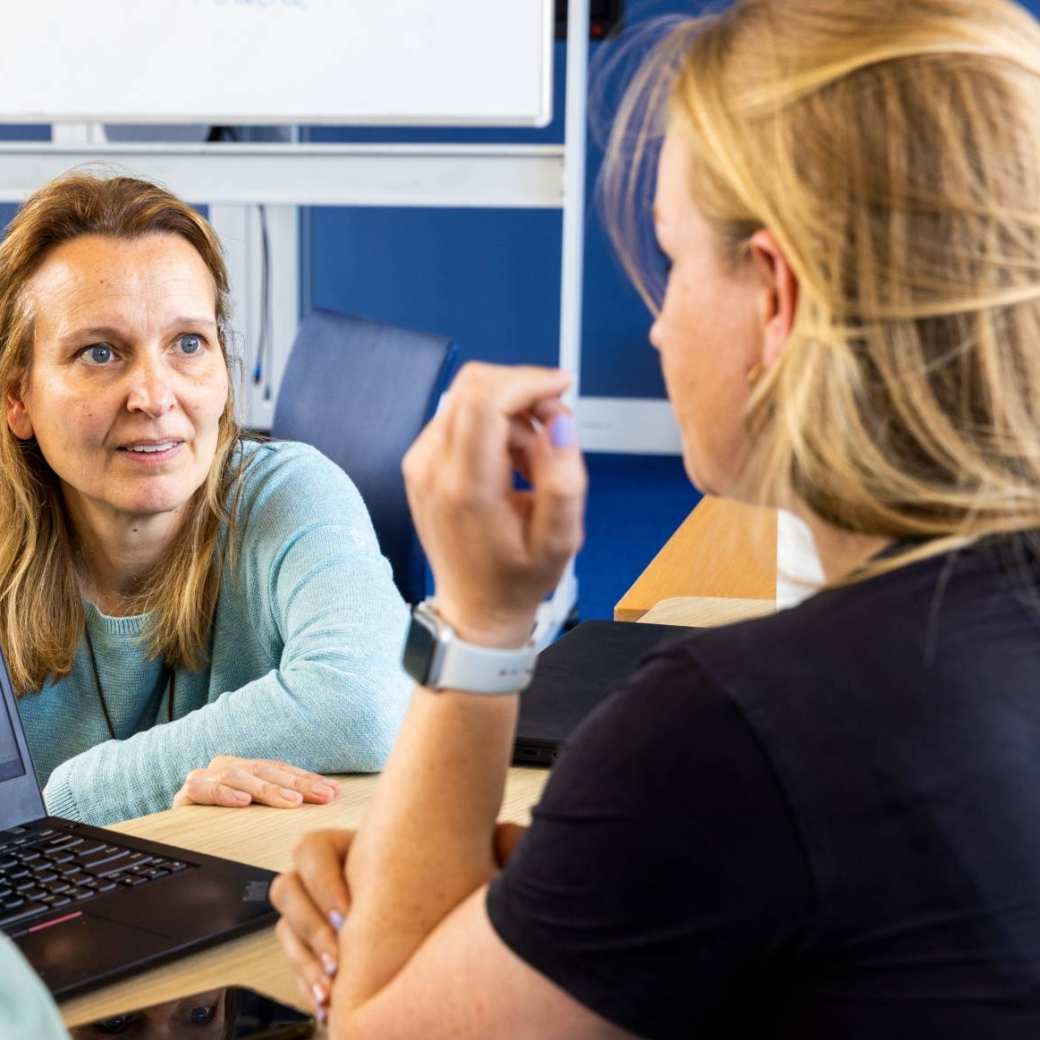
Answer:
(285, 481)
(939, 621)
(663, 734)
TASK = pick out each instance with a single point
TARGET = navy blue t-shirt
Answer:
(820, 824)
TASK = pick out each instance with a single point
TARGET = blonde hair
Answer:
(893, 150)
(41, 608)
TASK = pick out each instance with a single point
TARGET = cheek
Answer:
(209, 393)
(66, 418)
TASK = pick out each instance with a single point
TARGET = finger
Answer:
(511, 389)
(308, 971)
(506, 838)
(204, 787)
(312, 787)
(558, 491)
(300, 914)
(481, 428)
(320, 859)
(521, 440)
(420, 464)
(524, 431)
(515, 391)
(262, 791)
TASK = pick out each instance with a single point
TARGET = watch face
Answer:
(418, 649)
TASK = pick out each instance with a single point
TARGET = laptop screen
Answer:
(20, 797)
(11, 763)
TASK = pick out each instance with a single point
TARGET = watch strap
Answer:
(480, 669)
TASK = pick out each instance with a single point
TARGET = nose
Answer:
(150, 389)
(656, 333)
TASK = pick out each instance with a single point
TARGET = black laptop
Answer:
(573, 676)
(87, 905)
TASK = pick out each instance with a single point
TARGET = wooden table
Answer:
(263, 837)
(722, 549)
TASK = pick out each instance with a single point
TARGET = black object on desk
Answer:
(574, 675)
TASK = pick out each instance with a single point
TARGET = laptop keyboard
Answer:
(47, 869)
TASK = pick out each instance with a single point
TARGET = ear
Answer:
(779, 294)
(18, 420)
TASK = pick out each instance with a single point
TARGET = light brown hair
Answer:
(893, 150)
(41, 608)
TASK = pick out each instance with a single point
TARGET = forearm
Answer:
(312, 715)
(426, 841)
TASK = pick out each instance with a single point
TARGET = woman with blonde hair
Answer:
(181, 608)
(824, 823)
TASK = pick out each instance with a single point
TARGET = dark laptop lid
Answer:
(575, 674)
(20, 797)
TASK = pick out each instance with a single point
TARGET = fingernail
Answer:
(328, 962)
(292, 796)
(320, 1014)
(241, 796)
(563, 431)
(336, 919)
(324, 790)
(319, 993)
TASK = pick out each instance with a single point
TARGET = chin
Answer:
(697, 476)
(156, 501)
(152, 508)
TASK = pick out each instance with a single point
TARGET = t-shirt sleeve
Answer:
(663, 875)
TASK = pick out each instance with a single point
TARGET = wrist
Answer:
(487, 658)
(496, 631)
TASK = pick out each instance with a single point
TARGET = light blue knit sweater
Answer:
(26, 1008)
(305, 660)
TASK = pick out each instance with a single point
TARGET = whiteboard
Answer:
(386, 62)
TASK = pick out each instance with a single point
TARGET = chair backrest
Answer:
(360, 392)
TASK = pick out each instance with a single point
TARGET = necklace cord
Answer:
(169, 680)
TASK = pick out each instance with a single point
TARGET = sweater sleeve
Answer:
(310, 573)
(26, 1008)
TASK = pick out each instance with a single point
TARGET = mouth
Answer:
(151, 451)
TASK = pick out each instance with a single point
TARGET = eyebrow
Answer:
(116, 332)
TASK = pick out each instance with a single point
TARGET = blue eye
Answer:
(190, 343)
(99, 354)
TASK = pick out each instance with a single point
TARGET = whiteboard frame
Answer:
(499, 176)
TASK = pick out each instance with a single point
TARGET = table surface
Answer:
(722, 549)
(265, 837)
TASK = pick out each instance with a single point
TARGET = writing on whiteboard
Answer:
(301, 4)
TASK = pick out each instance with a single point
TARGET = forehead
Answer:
(94, 277)
(672, 195)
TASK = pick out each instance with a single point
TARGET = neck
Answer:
(840, 551)
(118, 551)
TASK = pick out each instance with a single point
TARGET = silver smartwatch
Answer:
(436, 658)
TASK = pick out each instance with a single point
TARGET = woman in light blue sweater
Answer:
(178, 606)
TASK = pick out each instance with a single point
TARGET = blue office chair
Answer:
(360, 392)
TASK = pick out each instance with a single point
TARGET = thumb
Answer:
(558, 482)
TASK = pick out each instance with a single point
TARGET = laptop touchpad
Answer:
(65, 952)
